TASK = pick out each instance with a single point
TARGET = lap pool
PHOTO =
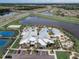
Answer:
(7, 33)
(3, 43)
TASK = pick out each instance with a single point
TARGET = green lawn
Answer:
(60, 18)
(62, 55)
(16, 45)
(1, 52)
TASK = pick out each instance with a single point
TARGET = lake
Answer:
(73, 28)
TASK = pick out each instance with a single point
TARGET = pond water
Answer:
(73, 28)
(47, 13)
(4, 11)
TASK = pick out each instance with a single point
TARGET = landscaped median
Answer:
(16, 45)
(63, 55)
(59, 18)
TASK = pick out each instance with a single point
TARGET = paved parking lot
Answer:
(32, 57)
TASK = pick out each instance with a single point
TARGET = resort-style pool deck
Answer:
(4, 43)
(5, 40)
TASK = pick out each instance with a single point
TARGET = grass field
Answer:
(62, 55)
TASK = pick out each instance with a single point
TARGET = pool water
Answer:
(3, 42)
(7, 33)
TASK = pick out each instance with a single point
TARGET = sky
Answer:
(39, 1)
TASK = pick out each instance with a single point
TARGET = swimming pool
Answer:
(7, 33)
(3, 42)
